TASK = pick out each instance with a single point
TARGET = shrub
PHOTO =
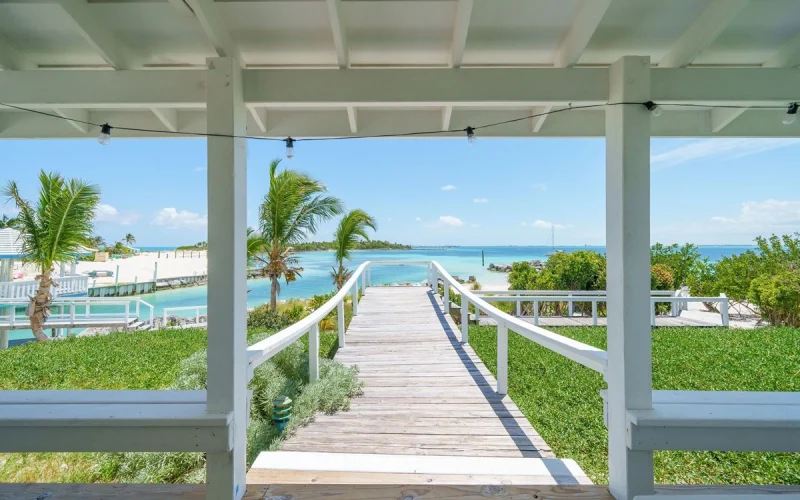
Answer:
(262, 317)
(778, 297)
(682, 262)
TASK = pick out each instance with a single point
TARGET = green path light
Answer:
(281, 412)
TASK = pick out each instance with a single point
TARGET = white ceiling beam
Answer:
(259, 116)
(181, 6)
(525, 88)
(580, 33)
(447, 114)
(339, 34)
(11, 58)
(722, 117)
(702, 33)
(102, 39)
(538, 121)
(352, 119)
(208, 14)
(787, 57)
(460, 31)
(168, 117)
(81, 115)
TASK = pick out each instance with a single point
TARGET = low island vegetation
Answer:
(319, 246)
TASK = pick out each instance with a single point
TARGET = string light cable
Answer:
(654, 109)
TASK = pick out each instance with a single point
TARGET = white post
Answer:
(629, 374)
(369, 276)
(502, 358)
(464, 319)
(164, 325)
(569, 306)
(723, 309)
(364, 281)
(519, 305)
(355, 298)
(227, 271)
(652, 312)
(446, 298)
(116, 276)
(155, 272)
(73, 268)
(127, 315)
(594, 312)
(536, 312)
(313, 353)
(340, 321)
(3, 339)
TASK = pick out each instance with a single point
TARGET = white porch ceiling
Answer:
(54, 54)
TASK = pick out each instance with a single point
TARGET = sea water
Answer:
(316, 279)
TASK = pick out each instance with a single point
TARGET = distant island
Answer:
(201, 245)
(315, 246)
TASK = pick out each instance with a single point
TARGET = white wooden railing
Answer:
(197, 310)
(67, 311)
(594, 297)
(67, 285)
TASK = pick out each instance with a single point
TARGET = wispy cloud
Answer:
(451, 221)
(418, 219)
(763, 214)
(108, 213)
(389, 219)
(480, 200)
(543, 224)
(728, 148)
(540, 186)
(184, 219)
(200, 169)
(448, 187)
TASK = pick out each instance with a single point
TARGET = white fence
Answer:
(196, 311)
(78, 311)
(67, 285)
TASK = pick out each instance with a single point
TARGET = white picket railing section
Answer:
(80, 311)
(197, 310)
(67, 285)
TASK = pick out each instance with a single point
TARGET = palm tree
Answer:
(7, 222)
(130, 239)
(53, 230)
(292, 209)
(352, 228)
(96, 242)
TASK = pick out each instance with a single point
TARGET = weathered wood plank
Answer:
(439, 492)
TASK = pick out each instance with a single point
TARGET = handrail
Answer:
(196, 309)
(587, 355)
(576, 293)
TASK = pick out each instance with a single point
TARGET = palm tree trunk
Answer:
(273, 294)
(39, 308)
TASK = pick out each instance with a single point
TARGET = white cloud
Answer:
(480, 200)
(418, 219)
(389, 219)
(540, 186)
(761, 214)
(719, 149)
(543, 224)
(172, 218)
(451, 221)
(200, 169)
(108, 213)
(448, 187)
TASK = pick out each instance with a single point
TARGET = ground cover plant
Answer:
(561, 398)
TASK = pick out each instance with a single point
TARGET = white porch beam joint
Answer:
(628, 248)
(259, 116)
(447, 114)
(580, 33)
(168, 117)
(75, 117)
(181, 6)
(538, 121)
(11, 58)
(722, 117)
(703, 31)
(94, 31)
(339, 34)
(227, 272)
(460, 31)
(352, 118)
(210, 19)
(787, 57)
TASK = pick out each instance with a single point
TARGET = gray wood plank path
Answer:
(425, 393)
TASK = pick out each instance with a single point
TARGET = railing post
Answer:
(594, 312)
(313, 353)
(355, 298)
(72, 313)
(446, 298)
(519, 305)
(536, 312)
(127, 314)
(364, 281)
(569, 306)
(3, 339)
(502, 358)
(464, 319)
(723, 309)
(137, 306)
(340, 321)
(197, 316)
(652, 312)
(165, 318)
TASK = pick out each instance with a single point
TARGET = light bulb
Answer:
(791, 114)
(471, 135)
(289, 148)
(653, 108)
(105, 135)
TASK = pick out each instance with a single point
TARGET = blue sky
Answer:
(440, 191)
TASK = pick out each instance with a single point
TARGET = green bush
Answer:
(681, 262)
(262, 317)
(778, 297)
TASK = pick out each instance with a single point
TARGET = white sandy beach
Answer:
(140, 267)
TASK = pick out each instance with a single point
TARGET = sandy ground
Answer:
(140, 267)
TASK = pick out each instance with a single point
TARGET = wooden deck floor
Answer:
(425, 393)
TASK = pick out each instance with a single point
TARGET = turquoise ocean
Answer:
(461, 261)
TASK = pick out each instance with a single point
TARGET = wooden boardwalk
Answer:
(425, 393)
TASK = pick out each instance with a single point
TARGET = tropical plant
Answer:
(96, 241)
(129, 239)
(7, 222)
(53, 230)
(682, 261)
(352, 229)
(292, 209)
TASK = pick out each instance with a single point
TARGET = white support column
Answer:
(502, 358)
(340, 322)
(629, 374)
(355, 298)
(446, 298)
(464, 319)
(227, 271)
(313, 353)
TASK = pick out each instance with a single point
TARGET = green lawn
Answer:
(561, 398)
